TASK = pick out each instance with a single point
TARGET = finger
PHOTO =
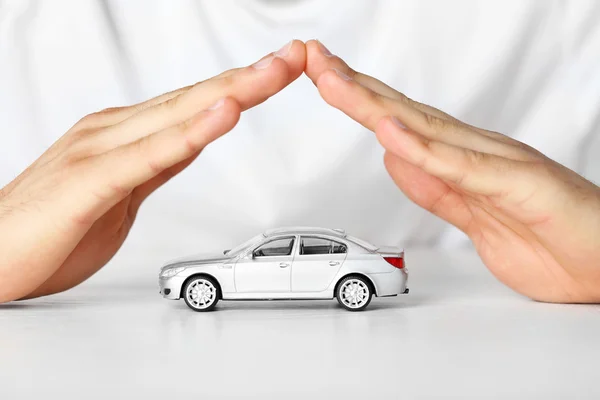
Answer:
(249, 86)
(118, 172)
(319, 59)
(114, 115)
(368, 108)
(424, 119)
(428, 192)
(468, 170)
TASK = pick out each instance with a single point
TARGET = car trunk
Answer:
(390, 251)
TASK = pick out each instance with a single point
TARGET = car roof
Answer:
(305, 230)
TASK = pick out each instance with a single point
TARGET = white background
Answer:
(530, 69)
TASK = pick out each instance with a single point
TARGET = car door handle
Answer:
(284, 265)
(334, 263)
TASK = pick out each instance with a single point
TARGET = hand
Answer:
(64, 217)
(535, 223)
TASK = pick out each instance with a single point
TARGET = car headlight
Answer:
(169, 272)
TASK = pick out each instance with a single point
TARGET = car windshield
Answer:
(362, 243)
(238, 249)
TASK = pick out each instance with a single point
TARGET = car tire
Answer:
(201, 293)
(354, 293)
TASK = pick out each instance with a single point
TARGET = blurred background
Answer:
(528, 69)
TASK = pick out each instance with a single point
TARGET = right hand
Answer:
(66, 215)
(534, 222)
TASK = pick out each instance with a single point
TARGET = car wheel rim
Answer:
(354, 293)
(201, 293)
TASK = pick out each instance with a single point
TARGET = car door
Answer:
(318, 261)
(267, 268)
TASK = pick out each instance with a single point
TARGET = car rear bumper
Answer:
(391, 283)
(170, 288)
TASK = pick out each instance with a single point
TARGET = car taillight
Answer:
(397, 262)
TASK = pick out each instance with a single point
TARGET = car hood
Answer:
(207, 258)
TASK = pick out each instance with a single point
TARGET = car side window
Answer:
(339, 248)
(314, 245)
(277, 247)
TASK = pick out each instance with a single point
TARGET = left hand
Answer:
(64, 217)
(534, 222)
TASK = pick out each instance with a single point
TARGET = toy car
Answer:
(286, 264)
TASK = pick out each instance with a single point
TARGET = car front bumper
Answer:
(170, 288)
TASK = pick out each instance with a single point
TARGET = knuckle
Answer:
(141, 107)
(377, 98)
(144, 151)
(111, 110)
(474, 159)
(183, 126)
(543, 170)
(409, 101)
(423, 160)
(533, 152)
(459, 178)
(73, 157)
(89, 120)
(171, 104)
(115, 190)
(435, 123)
(227, 80)
(78, 146)
(98, 117)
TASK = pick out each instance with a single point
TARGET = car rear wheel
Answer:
(201, 293)
(354, 293)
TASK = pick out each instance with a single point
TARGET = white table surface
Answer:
(458, 334)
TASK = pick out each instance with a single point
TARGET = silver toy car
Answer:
(286, 264)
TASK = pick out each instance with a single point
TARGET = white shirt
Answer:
(530, 69)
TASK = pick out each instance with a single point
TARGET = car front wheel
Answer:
(201, 293)
(354, 293)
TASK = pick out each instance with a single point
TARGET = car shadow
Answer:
(303, 305)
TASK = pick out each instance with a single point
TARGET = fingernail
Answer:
(342, 75)
(397, 122)
(324, 49)
(218, 104)
(285, 50)
(264, 63)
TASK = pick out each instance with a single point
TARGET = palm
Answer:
(512, 251)
(510, 236)
(94, 250)
(104, 238)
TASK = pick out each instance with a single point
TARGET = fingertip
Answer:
(231, 111)
(393, 136)
(330, 82)
(296, 58)
(223, 115)
(291, 55)
(327, 79)
(319, 59)
(282, 72)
